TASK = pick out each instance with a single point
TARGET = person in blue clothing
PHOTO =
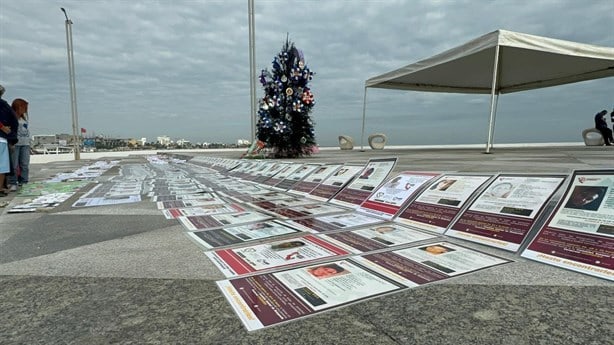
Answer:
(8, 137)
(602, 125)
(21, 152)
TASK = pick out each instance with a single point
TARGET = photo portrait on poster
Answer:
(259, 257)
(579, 234)
(435, 208)
(506, 210)
(586, 197)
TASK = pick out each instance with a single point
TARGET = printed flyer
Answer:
(109, 200)
(283, 203)
(173, 213)
(196, 223)
(438, 205)
(335, 182)
(428, 263)
(296, 176)
(263, 195)
(369, 178)
(43, 202)
(163, 198)
(271, 170)
(311, 181)
(504, 213)
(282, 175)
(211, 200)
(239, 234)
(579, 234)
(272, 298)
(311, 210)
(377, 237)
(260, 257)
(386, 201)
(44, 188)
(335, 222)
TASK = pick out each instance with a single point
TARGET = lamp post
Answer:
(73, 89)
(252, 67)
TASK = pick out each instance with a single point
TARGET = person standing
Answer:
(8, 136)
(612, 119)
(21, 156)
(602, 125)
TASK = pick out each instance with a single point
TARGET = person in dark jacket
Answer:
(602, 125)
(8, 136)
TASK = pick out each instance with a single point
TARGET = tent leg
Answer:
(364, 108)
(494, 121)
(493, 88)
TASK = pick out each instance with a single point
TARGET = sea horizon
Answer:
(53, 157)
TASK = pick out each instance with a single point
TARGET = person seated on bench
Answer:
(602, 125)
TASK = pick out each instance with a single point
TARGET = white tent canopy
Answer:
(501, 62)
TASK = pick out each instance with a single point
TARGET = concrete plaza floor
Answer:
(126, 275)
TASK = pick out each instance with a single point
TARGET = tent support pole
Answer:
(493, 88)
(364, 111)
(494, 122)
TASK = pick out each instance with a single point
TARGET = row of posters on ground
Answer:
(47, 194)
(269, 283)
(498, 210)
(384, 234)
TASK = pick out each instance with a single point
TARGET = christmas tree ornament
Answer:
(280, 126)
(307, 97)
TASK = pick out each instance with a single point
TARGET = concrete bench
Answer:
(377, 141)
(592, 137)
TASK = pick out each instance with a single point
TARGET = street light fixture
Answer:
(73, 88)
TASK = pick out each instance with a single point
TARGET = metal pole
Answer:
(492, 101)
(252, 67)
(494, 121)
(364, 111)
(73, 88)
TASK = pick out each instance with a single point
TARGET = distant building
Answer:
(65, 139)
(183, 142)
(44, 139)
(143, 141)
(164, 140)
(133, 142)
(109, 143)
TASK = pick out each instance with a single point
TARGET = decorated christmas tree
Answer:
(284, 124)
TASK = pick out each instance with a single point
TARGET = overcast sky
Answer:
(181, 68)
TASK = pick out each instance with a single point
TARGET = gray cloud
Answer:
(181, 68)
